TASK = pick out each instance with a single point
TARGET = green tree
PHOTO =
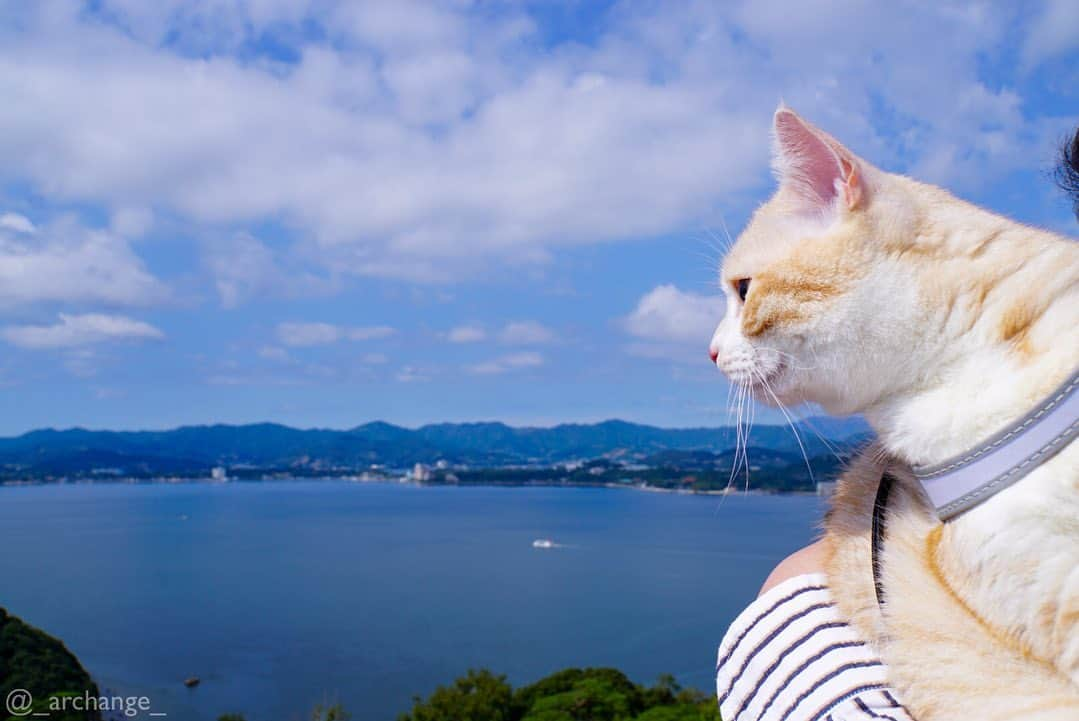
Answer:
(570, 679)
(34, 661)
(574, 694)
(663, 693)
(478, 696)
(681, 712)
(592, 698)
(330, 713)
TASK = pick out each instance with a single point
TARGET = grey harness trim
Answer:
(965, 481)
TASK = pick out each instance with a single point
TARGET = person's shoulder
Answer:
(805, 561)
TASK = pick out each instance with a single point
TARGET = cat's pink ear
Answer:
(816, 168)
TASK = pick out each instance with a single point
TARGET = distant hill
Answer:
(195, 449)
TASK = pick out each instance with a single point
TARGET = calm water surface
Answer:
(282, 595)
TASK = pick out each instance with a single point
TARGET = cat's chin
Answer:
(770, 387)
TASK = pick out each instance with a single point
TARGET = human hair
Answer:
(1066, 173)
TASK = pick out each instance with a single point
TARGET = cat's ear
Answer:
(814, 166)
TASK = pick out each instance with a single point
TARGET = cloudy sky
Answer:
(323, 213)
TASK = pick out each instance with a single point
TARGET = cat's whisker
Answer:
(805, 421)
(739, 445)
(880, 457)
(726, 231)
(747, 405)
(731, 392)
(721, 244)
(717, 246)
(737, 432)
(831, 447)
(729, 411)
(749, 429)
(709, 259)
(725, 242)
(783, 409)
(792, 360)
(731, 396)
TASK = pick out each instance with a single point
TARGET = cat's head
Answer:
(820, 306)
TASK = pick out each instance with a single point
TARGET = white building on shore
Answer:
(825, 488)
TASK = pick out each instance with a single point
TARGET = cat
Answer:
(869, 292)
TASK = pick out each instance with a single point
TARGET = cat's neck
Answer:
(982, 378)
(976, 401)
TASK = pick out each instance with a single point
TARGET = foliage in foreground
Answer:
(320, 713)
(33, 660)
(591, 694)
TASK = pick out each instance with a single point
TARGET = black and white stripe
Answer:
(789, 657)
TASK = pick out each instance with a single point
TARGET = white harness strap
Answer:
(966, 480)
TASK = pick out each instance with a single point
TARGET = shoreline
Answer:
(733, 491)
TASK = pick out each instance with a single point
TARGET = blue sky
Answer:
(323, 213)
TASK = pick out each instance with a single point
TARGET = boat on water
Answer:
(543, 543)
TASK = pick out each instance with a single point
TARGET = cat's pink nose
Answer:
(713, 354)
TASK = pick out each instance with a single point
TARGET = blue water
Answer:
(283, 595)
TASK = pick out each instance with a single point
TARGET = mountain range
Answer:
(195, 449)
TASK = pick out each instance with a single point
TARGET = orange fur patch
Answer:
(932, 551)
(779, 295)
(1015, 325)
(1058, 621)
(770, 303)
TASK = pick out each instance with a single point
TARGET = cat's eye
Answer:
(742, 286)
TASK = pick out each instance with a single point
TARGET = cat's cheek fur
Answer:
(811, 328)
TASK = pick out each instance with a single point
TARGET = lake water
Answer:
(283, 595)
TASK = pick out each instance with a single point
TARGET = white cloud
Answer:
(671, 323)
(526, 333)
(507, 363)
(65, 262)
(374, 359)
(273, 353)
(79, 330)
(466, 334)
(131, 222)
(1053, 31)
(429, 139)
(424, 140)
(905, 86)
(373, 332)
(307, 334)
(515, 333)
(243, 267)
(104, 393)
(82, 362)
(412, 374)
(312, 334)
(16, 222)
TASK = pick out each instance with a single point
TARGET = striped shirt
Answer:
(789, 657)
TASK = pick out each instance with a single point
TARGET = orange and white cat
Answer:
(869, 292)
